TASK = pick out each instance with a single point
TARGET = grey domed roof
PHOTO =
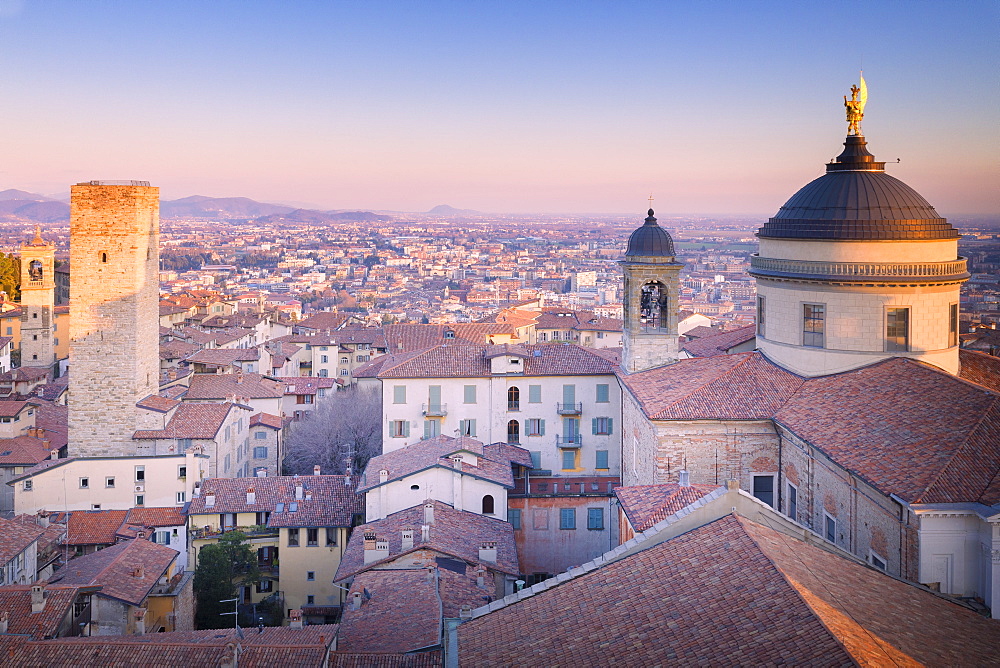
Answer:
(857, 200)
(650, 240)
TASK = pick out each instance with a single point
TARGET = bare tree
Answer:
(344, 429)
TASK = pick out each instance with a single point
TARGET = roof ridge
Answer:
(749, 356)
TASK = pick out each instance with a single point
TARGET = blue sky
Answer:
(714, 107)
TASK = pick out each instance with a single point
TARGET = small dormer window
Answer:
(515, 360)
(449, 333)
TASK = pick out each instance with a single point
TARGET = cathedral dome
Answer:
(650, 240)
(857, 201)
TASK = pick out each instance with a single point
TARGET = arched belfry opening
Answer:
(652, 293)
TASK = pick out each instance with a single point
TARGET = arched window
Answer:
(35, 270)
(653, 306)
(514, 399)
(104, 258)
(488, 505)
(513, 432)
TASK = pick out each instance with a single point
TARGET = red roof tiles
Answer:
(645, 505)
(127, 571)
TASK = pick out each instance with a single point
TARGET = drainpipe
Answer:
(903, 507)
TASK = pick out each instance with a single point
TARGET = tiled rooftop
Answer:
(719, 343)
(15, 538)
(645, 505)
(403, 614)
(225, 385)
(127, 571)
(731, 592)
(191, 421)
(468, 361)
(15, 600)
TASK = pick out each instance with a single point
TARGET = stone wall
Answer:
(114, 318)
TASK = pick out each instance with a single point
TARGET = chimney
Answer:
(465, 612)
(296, 619)
(429, 512)
(37, 598)
(383, 475)
(239, 376)
(42, 519)
(316, 469)
(732, 484)
(488, 552)
(54, 453)
(4, 616)
(210, 500)
(172, 374)
(425, 533)
(375, 548)
(407, 539)
(261, 472)
(137, 572)
(684, 478)
(356, 601)
(140, 621)
(309, 495)
(298, 491)
(251, 496)
(480, 576)
(456, 461)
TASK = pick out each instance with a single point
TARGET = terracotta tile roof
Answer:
(52, 536)
(23, 451)
(701, 331)
(156, 517)
(266, 420)
(434, 452)
(17, 537)
(333, 502)
(470, 361)
(386, 660)
(324, 321)
(307, 647)
(192, 421)
(94, 527)
(512, 453)
(458, 533)
(980, 368)
(719, 343)
(645, 505)
(223, 356)
(295, 385)
(409, 336)
(25, 373)
(225, 385)
(175, 350)
(127, 571)
(402, 615)
(12, 408)
(745, 386)
(730, 592)
(512, 349)
(15, 600)
(906, 427)
(157, 403)
(54, 419)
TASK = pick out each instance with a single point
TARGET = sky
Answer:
(713, 107)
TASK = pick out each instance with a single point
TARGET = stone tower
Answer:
(37, 301)
(652, 292)
(854, 268)
(114, 316)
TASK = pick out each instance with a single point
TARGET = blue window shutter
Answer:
(593, 423)
(611, 425)
(472, 427)
(602, 459)
(541, 427)
(406, 428)
(534, 394)
(569, 394)
(536, 460)
(602, 393)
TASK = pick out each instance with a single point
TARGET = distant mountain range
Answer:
(445, 210)
(22, 206)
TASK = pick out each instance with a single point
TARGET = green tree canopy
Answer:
(222, 567)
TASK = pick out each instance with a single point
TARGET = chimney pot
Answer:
(383, 475)
(465, 612)
(37, 598)
(732, 484)
(316, 469)
(210, 500)
(429, 512)
(425, 534)
(684, 478)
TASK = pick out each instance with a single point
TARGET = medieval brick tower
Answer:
(114, 323)
(37, 301)
(652, 293)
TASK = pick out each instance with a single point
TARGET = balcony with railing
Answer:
(569, 409)
(569, 441)
(434, 410)
(909, 272)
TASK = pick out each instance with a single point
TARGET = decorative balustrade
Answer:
(917, 271)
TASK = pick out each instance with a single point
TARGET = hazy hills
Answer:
(25, 207)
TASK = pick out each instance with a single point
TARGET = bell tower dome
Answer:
(857, 267)
(652, 291)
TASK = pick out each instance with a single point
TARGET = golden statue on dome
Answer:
(856, 107)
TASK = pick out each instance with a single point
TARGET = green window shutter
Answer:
(514, 517)
(399, 394)
(593, 424)
(611, 425)
(541, 427)
(602, 459)
(567, 518)
(427, 428)
(536, 460)
(595, 518)
(472, 428)
(602, 394)
(534, 394)
(569, 394)
(470, 394)
(406, 428)
(569, 459)
(434, 397)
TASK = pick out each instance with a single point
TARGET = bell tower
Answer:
(652, 293)
(37, 301)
